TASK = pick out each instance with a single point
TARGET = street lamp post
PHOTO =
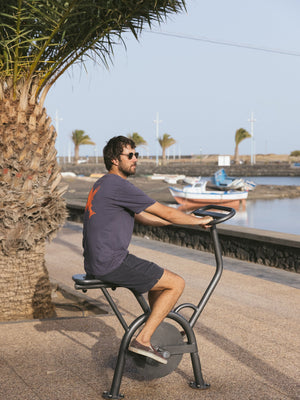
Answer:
(96, 155)
(252, 120)
(157, 122)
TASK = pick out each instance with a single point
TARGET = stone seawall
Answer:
(193, 168)
(268, 248)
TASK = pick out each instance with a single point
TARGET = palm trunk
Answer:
(25, 290)
(76, 155)
(31, 207)
(163, 156)
(236, 154)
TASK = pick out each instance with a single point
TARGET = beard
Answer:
(128, 171)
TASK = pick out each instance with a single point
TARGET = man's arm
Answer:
(146, 218)
(173, 216)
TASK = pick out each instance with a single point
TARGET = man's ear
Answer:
(115, 161)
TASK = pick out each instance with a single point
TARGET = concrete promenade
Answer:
(248, 335)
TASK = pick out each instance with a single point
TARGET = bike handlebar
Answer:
(218, 217)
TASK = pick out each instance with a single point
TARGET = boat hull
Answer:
(190, 200)
(193, 204)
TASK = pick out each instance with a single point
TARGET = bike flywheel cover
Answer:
(145, 368)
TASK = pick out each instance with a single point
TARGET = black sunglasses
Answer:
(130, 155)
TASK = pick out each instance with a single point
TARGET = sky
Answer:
(204, 72)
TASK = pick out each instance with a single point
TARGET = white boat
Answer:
(168, 178)
(157, 176)
(173, 179)
(68, 174)
(196, 195)
(190, 180)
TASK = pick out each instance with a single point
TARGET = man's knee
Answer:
(180, 283)
(170, 280)
(176, 281)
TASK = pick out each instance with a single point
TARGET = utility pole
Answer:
(96, 154)
(252, 120)
(157, 122)
(56, 127)
(69, 154)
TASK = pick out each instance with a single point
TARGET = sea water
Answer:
(270, 180)
(279, 215)
(275, 180)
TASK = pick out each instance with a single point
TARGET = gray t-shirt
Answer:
(108, 222)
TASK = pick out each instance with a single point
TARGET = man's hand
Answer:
(205, 221)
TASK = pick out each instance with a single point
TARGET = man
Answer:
(113, 205)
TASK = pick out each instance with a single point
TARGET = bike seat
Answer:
(84, 282)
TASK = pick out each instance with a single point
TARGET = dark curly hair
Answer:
(114, 148)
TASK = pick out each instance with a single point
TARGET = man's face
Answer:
(127, 166)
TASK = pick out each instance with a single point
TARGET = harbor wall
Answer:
(193, 168)
(268, 248)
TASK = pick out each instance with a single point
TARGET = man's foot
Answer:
(146, 351)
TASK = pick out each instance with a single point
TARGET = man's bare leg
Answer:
(162, 298)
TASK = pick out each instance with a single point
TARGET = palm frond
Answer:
(240, 135)
(45, 37)
(166, 141)
(79, 137)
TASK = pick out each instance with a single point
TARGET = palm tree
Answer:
(138, 139)
(79, 138)
(165, 142)
(240, 135)
(39, 41)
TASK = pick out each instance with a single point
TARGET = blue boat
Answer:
(224, 182)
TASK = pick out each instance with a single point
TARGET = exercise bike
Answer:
(175, 338)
